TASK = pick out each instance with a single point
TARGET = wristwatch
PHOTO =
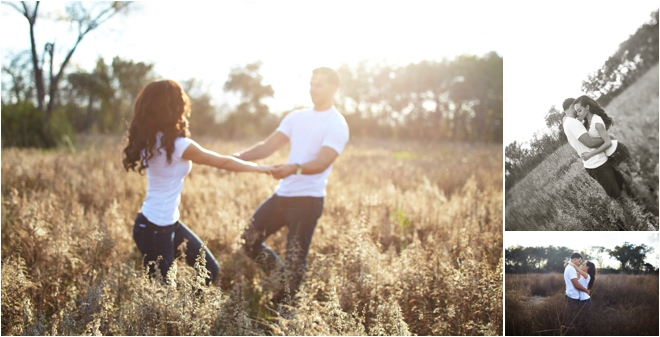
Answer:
(298, 169)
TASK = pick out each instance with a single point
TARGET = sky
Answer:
(581, 241)
(197, 40)
(552, 46)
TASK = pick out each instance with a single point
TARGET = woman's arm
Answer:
(200, 155)
(607, 142)
(580, 271)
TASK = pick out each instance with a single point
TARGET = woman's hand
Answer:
(587, 155)
(565, 264)
(268, 169)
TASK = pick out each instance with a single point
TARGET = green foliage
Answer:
(550, 259)
(102, 99)
(251, 118)
(22, 126)
(459, 99)
(632, 257)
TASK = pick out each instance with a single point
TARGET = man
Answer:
(598, 167)
(571, 279)
(573, 288)
(317, 137)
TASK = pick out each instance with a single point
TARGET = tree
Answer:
(630, 256)
(103, 98)
(86, 18)
(203, 115)
(251, 117)
(17, 84)
(458, 99)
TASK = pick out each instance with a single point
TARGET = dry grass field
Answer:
(410, 242)
(622, 305)
(560, 195)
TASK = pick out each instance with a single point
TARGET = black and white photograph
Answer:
(581, 117)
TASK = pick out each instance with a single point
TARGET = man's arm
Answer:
(264, 148)
(578, 286)
(200, 155)
(590, 142)
(324, 159)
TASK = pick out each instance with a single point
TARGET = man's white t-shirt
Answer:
(308, 131)
(593, 133)
(573, 130)
(165, 183)
(585, 283)
(571, 291)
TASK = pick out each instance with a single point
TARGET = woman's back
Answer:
(165, 183)
(593, 133)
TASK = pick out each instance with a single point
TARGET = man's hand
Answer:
(283, 171)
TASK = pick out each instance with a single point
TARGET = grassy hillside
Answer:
(410, 242)
(559, 194)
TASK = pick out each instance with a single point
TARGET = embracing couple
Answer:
(579, 279)
(604, 157)
(159, 143)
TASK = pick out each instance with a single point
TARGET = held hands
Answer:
(283, 171)
(277, 171)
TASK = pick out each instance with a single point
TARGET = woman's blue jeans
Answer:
(155, 241)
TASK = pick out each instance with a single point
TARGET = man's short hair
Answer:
(330, 74)
(576, 256)
(567, 103)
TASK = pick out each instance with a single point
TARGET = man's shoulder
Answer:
(338, 116)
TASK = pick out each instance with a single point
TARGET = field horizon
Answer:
(622, 305)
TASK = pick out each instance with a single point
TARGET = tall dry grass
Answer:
(622, 305)
(560, 195)
(410, 242)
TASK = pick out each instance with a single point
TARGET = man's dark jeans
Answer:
(300, 215)
(154, 241)
(611, 179)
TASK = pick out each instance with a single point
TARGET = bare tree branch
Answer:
(13, 5)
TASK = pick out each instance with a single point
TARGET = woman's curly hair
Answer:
(595, 109)
(161, 106)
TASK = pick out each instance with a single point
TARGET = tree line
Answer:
(633, 259)
(631, 60)
(44, 102)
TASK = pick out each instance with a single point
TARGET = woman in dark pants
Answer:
(597, 122)
(158, 142)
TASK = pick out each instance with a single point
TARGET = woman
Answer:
(598, 122)
(586, 278)
(158, 143)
